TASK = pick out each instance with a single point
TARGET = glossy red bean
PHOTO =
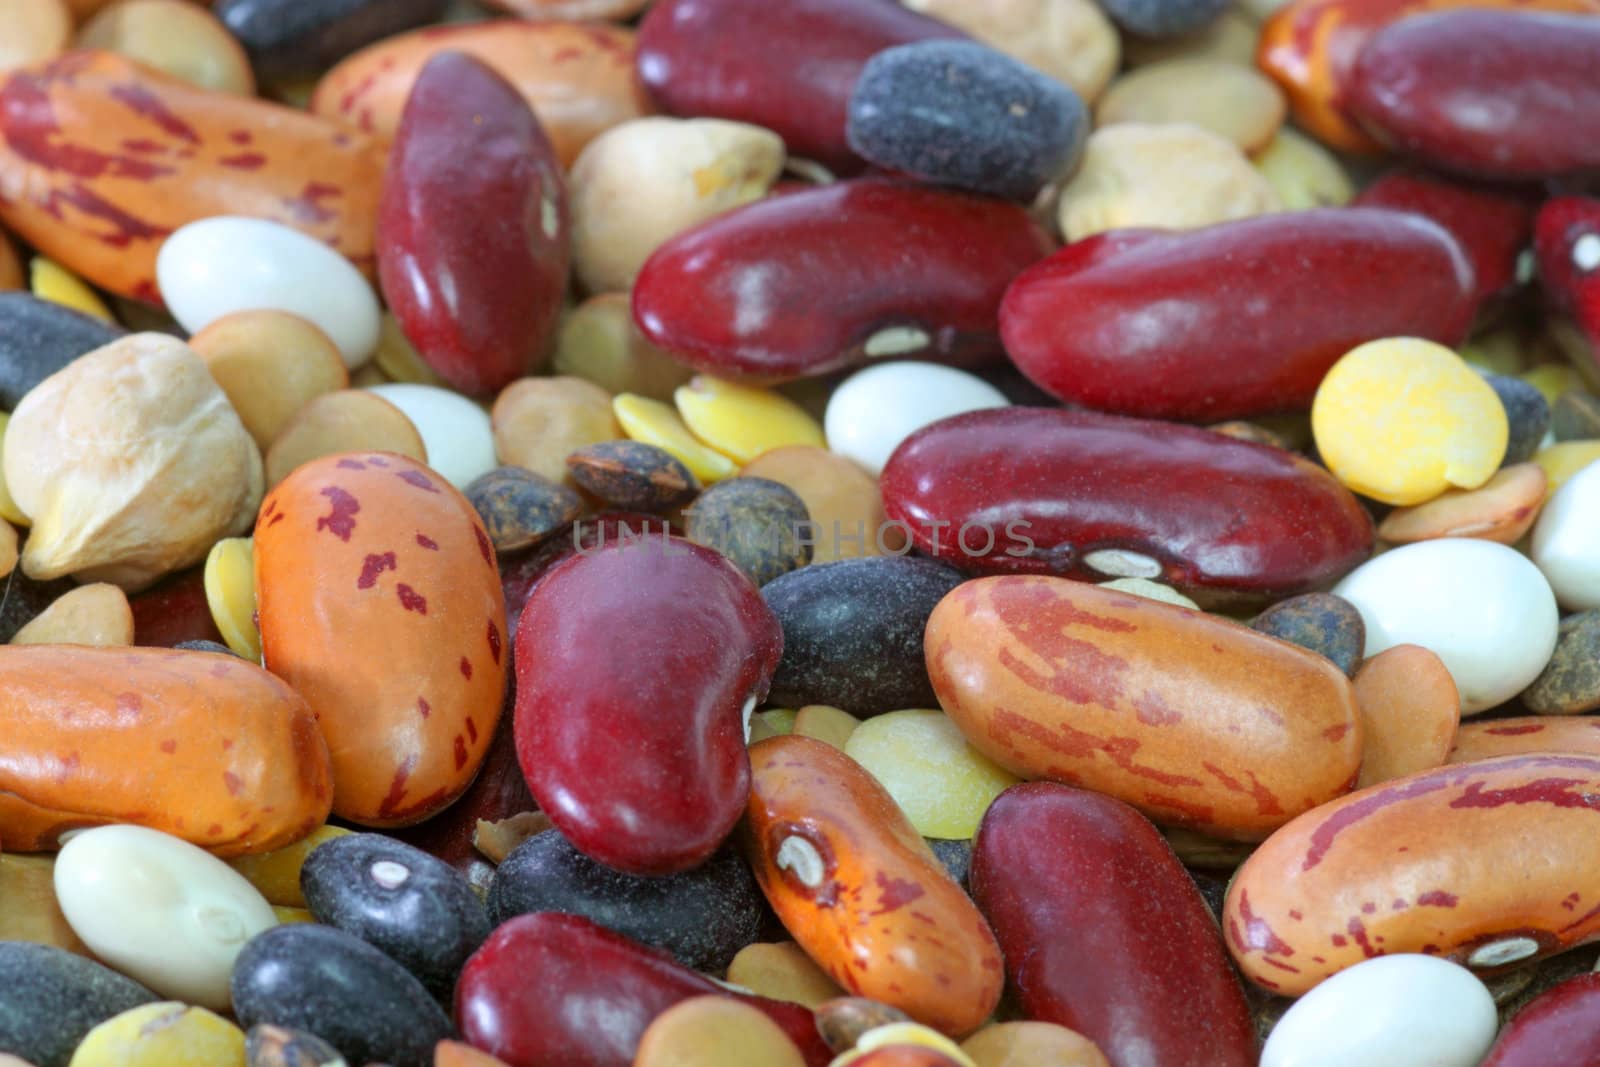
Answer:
(1105, 933)
(1567, 241)
(174, 611)
(789, 67)
(1074, 493)
(1238, 319)
(901, 269)
(473, 235)
(1493, 224)
(1560, 1026)
(633, 665)
(553, 990)
(520, 573)
(1490, 94)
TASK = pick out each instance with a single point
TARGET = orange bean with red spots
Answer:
(1194, 720)
(1579, 735)
(578, 77)
(861, 892)
(1487, 864)
(101, 159)
(202, 746)
(380, 602)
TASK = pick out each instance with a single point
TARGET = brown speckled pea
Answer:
(519, 508)
(1570, 682)
(1326, 624)
(759, 524)
(633, 475)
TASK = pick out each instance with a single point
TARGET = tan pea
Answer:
(539, 422)
(696, 169)
(1236, 102)
(180, 38)
(271, 364)
(1231, 38)
(842, 499)
(782, 971)
(1410, 710)
(599, 343)
(82, 9)
(369, 375)
(1169, 175)
(715, 1031)
(1500, 510)
(10, 264)
(96, 614)
(32, 31)
(27, 885)
(833, 725)
(1070, 40)
(276, 874)
(1031, 1044)
(397, 359)
(496, 840)
(1305, 174)
(350, 420)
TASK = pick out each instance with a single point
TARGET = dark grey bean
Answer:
(50, 998)
(762, 526)
(520, 508)
(333, 984)
(417, 909)
(703, 917)
(1527, 413)
(22, 599)
(1163, 18)
(963, 114)
(1570, 682)
(288, 38)
(852, 633)
(955, 855)
(205, 646)
(1324, 623)
(1575, 417)
(38, 338)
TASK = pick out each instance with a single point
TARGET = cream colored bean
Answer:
(32, 30)
(696, 169)
(1170, 175)
(175, 36)
(1070, 40)
(1305, 174)
(1242, 105)
(96, 614)
(600, 343)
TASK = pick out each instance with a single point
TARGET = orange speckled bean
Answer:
(206, 747)
(380, 602)
(1195, 720)
(577, 77)
(1310, 46)
(101, 159)
(1533, 733)
(1486, 864)
(860, 891)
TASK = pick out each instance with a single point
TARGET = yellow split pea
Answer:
(1402, 420)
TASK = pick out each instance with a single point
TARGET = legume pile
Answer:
(789, 533)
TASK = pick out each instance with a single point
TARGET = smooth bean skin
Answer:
(1066, 876)
(101, 159)
(577, 77)
(1575, 735)
(1196, 721)
(1042, 491)
(1490, 94)
(1310, 46)
(789, 67)
(1238, 319)
(917, 269)
(872, 905)
(1402, 867)
(291, 38)
(1566, 233)
(207, 748)
(1561, 1026)
(380, 602)
(597, 993)
(479, 302)
(634, 661)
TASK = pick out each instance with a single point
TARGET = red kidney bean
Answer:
(901, 269)
(789, 67)
(1074, 493)
(174, 611)
(1561, 1026)
(1492, 223)
(1233, 320)
(1490, 94)
(1104, 932)
(553, 990)
(1567, 241)
(473, 235)
(632, 663)
(519, 574)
